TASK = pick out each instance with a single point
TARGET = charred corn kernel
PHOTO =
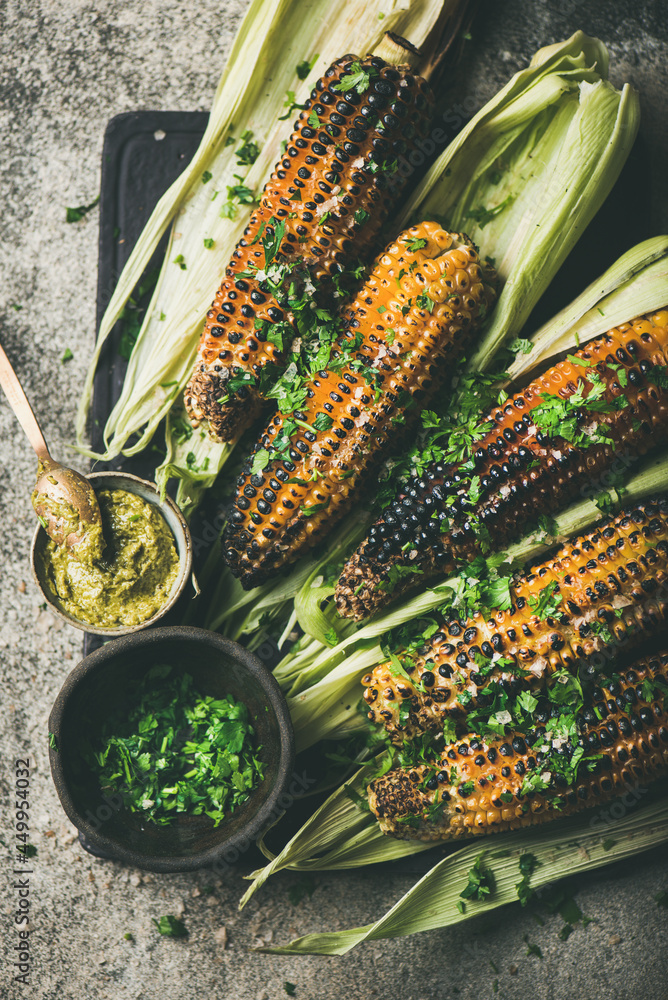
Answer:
(331, 191)
(606, 585)
(396, 348)
(474, 786)
(523, 473)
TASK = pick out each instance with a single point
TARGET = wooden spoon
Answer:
(64, 500)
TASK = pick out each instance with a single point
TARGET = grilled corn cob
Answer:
(523, 473)
(475, 786)
(324, 204)
(409, 320)
(603, 587)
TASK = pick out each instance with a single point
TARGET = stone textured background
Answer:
(66, 68)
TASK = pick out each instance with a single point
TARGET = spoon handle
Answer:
(19, 403)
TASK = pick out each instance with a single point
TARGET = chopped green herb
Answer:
(535, 782)
(356, 78)
(236, 193)
(424, 302)
(291, 104)
(528, 863)
(520, 346)
(548, 526)
(208, 243)
(532, 949)
(483, 216)
(170, 926)
(527, 702)
(396, 573)
(261, 460)
(305, 887)
(206, 176)
(557, 417)
(249, 151)
(176, 751)
(304, 68)
(289, 988)
(604, 502)
(332, 636)
(546, 605)
(316, 508)
(480, 882)
(180, 261)
(67, 356)
(658, 375)
(414, 245)
(76, 214)
(323, 422)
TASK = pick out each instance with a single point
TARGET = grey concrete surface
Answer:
(66, 67)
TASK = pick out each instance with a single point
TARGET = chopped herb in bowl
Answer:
(177, 751)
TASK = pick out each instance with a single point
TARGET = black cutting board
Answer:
(144, 152)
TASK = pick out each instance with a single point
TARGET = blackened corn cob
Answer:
(613, 585)
(408, 322)
(474, 786)
(523, 473)
(332, 190)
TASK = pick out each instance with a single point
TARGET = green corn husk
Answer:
(192, 459)
(324, 698)
(564, 848)
(635, 284)
(275, 36)
(526, 176)
(237, 612)
(339, 835)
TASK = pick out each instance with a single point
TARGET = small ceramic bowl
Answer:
(176, 524)
(102, 683)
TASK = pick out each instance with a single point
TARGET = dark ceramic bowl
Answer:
(101, 683)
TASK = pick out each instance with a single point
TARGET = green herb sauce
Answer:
(125, 581)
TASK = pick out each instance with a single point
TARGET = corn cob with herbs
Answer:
(321, 210)
(528, 457)
(409, 321)
(559, 764)
(600, 590)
